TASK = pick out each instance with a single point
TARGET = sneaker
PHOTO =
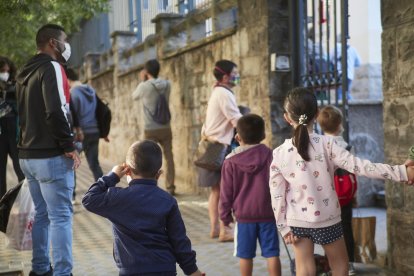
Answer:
(352, 270)
(49, 273)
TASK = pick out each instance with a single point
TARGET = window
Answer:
(209, 26)
(145, 4)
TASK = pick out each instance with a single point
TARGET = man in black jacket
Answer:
(46, 151)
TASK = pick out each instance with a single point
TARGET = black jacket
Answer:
(43, 109)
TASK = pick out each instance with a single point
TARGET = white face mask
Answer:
(66, 53)
(4, 76)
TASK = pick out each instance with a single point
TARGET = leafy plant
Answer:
(20, 20)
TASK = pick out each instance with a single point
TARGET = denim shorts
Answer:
(320, 236)
(247, 234)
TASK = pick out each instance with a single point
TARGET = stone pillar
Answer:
(163, 23)
(398, 90)
(121, 41)
(280, 81)
(91, 65)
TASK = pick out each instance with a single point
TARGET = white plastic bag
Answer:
(19, 228)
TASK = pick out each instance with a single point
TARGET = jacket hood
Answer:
(86, 90)
(160, 84)
(249, 160)
(31, 66)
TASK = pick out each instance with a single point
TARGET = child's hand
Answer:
(120, 170)
(197, 273)
(290, 238)
(410, 175)
(409, 162)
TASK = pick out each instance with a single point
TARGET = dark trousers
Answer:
(91, 148)
(163, 136)
(346, 216)
(90, 145)
(8, 146)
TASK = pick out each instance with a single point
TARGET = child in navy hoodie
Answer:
(245, 193)
(149, 233)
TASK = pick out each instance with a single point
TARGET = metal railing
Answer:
(322, 34)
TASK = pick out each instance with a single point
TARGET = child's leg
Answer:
(269, 243)
(245, 238)
(305, 263)
(273, 266)
(246, 267)
(213, 201)
(346, 217)
(337, 257)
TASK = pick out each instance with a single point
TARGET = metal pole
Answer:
(344, 48)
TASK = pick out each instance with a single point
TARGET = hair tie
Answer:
(302, 119)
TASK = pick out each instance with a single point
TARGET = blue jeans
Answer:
(51, 182)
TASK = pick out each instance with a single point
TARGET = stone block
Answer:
(389, 60)
(395, 12)
(405, 56)
(399, 127)
(401, 253)
(367, 83)
(253, 66)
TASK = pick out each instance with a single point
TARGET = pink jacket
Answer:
(303, 193)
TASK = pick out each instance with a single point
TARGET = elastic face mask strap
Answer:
(221, 70)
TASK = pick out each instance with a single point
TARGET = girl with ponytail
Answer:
(304, 200)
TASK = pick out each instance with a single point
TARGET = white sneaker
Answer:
(352, 270)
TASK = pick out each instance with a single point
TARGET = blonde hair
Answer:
(330, 118)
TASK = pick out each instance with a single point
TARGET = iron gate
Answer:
(320, 33)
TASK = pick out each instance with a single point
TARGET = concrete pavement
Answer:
(92, 239)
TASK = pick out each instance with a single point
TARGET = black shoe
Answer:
(49, 273)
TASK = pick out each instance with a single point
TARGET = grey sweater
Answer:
(148, 92)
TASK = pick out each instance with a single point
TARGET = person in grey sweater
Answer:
(83, 106)
(148, 92)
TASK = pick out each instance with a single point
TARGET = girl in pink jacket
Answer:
(303, 194)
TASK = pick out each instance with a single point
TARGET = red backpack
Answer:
(345, 185)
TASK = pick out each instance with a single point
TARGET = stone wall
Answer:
(262, 30)
(367, 84)
(189, 68)
(366, 135)
(398, 90)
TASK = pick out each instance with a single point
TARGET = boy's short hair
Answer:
(145, 158)
(71, 74)
(330, 118)
(251, 129)
(153, 67)
(46, 32)
(223, 67)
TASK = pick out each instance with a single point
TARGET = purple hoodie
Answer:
(245, 185)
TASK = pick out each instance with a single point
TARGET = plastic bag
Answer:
(19, 227)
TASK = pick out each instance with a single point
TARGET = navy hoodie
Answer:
(83, 106)
(245, 185)
(149, 233)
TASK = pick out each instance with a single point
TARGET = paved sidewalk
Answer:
(92, 240)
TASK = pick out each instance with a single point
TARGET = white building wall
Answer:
(119, 16)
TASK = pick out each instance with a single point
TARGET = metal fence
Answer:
(321, 51)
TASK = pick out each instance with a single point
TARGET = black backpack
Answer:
(161, 113)
(103, 117)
